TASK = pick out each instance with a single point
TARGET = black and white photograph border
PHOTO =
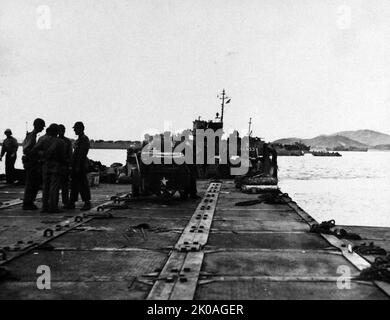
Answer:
(222, 151)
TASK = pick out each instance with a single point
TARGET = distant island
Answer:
(358, 140)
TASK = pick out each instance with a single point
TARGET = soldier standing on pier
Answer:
(193, 172)
(79, 180)
(52, 153)
(32, 166)
(9, 149)
(65, 170)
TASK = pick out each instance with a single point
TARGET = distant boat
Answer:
(325, 154)
(350, 148)
(296, 149)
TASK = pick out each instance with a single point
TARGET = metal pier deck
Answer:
(196, 249)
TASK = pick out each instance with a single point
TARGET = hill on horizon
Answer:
(368, 137)
(358, 138)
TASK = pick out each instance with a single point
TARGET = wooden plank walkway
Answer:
(146, 250)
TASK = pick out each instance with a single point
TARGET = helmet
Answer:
(52, 129)
(79, 124)
(61, 128)
(38, 122)
(8, 131)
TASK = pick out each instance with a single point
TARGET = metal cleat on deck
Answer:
(48, 233)
(188, 247)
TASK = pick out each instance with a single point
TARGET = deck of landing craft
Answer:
(262, 251)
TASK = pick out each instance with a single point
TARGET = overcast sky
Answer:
(298, 68)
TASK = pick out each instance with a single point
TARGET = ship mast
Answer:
(249, 129)
(225, 99)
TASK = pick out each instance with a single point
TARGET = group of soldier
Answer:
(51, 161)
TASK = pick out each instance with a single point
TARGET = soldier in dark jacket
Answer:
(32, 166)
(193, 172)
(9, 149)
(65, 171)
(52, 153)
(79, 180)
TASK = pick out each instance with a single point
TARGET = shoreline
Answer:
(126, 145)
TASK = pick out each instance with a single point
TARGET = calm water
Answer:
(353, 189)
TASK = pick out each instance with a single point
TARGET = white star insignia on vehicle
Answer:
(164, 181)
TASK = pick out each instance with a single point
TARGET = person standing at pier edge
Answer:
(9, 149)
(52, 152)
(32, 166)
(79, 180)
(65, 170)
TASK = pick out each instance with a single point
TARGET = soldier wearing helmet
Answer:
(9, 149)
(79, 180)
(65, 171)
(32, 166)
(51, 150)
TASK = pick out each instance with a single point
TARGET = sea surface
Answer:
(353, 189)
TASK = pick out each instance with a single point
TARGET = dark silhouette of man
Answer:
(52, 153)
(9, 149)
(32, 166)
(79, 180)
(65, 170)
(193, 172)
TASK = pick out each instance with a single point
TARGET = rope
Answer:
(326, 226)
(379, 270)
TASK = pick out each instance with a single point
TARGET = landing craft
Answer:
(156, 168)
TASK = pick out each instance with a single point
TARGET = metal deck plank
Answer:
(179, 277)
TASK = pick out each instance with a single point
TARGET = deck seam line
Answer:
(280, 278)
